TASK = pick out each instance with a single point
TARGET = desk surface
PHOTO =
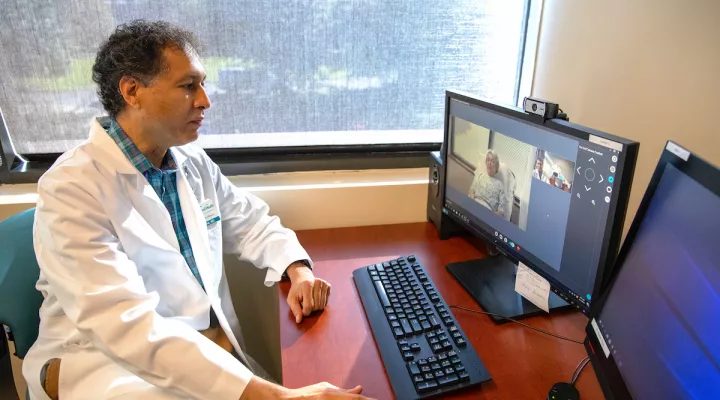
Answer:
(337, 345)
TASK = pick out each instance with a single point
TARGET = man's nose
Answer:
(202, 101)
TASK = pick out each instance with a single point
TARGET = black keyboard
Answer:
(424, 351)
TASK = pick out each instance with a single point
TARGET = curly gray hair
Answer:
(496, 158)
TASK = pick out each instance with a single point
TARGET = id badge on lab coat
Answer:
(210, 212)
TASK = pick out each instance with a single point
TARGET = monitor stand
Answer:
(491, 282)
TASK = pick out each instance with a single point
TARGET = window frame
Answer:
(261, 160)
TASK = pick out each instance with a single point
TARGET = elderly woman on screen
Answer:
(487, 189)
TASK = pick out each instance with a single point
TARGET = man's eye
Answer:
(188, 85)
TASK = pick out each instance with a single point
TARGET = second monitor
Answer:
(549, 194)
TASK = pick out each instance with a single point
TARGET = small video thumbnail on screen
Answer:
(554, 170)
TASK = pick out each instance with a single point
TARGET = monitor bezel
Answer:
(617, 207)
(697, 169)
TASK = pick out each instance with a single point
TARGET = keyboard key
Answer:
(426, 326)
(442, 357)
(436, 348)
(380, 267)
(422, 362)
(446, 344)
(433, 341)
(408, 356)
(394, 324)
(461, 342)
(457, 334)
(453, 329)
(381, 294)
(415, 347)
(429, 375)
(398, 333)
(406, 327)
(417, 329)
(425, 387)
(435, 366)
(439, 374)
(449, 321)
(405, 348)
(464, 376)
(422, 317)
(418, 379)
(411, 258)
(449, 371)
(371, 268)
(451, 354)
(425, 369)
(446, 363)
(392, 317)
(444, 315)
(434, 298)
(432, 385)
(413, 368)
(430, 335)
(459, 368)
(448, 380)
(455, 360)
(442, 337)
(434, 322)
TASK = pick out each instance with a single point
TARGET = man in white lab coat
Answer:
(130, 230)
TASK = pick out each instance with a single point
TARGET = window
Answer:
(280, 72)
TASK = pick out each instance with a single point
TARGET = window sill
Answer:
(309, 200)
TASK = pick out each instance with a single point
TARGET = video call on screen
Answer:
(545, 192)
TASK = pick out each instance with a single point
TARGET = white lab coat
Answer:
(122, 309)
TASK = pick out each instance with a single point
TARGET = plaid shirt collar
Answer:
(137, 158)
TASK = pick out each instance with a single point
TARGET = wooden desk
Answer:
(337, 345)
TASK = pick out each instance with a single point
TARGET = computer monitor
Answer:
(550, 194)
(654, 333)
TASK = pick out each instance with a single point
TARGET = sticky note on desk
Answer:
(532, 286)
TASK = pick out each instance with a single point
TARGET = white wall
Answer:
(648, 70)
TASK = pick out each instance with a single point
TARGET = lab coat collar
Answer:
(116, 158)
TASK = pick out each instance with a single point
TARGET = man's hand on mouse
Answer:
(307, 293)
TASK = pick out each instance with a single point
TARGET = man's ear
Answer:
(129, 87)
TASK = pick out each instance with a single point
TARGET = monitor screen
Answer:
(546, 197)
(661, 320)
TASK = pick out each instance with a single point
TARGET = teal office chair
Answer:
(19, 300)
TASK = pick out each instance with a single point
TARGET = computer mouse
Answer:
(563, 391)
